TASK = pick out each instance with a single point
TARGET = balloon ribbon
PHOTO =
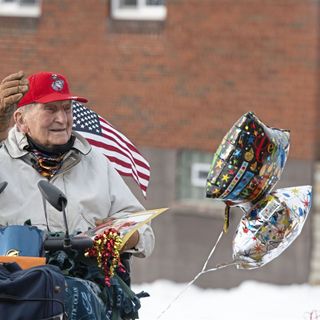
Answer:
(226, 218)
(203, 271)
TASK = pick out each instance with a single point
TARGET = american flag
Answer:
(120, 151)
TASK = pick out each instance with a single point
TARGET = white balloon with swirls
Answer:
(270, 226)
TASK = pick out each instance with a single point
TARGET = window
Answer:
(199, 173)
(192, 171)
(20, 8)
(138, 9)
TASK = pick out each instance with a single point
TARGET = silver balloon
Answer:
(270, 226)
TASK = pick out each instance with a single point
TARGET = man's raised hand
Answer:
(12, 89)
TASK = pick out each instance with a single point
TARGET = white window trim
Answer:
(16, 10)
(140, 12)
(195, 169)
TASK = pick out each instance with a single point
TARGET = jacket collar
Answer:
(17, 141)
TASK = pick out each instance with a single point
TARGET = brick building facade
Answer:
(175, 86)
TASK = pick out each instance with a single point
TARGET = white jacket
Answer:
(92, 186)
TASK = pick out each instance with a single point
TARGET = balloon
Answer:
(270, 226)
(248, 162)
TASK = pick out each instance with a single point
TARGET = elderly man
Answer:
(42, 145)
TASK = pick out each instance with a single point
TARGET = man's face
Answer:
(49, 124)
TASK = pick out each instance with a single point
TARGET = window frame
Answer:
(140, 12)
(15, 9)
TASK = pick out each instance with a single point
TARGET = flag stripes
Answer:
(119, 150)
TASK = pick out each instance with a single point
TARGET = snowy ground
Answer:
(250, 301)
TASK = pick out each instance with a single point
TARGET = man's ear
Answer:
(20, 121)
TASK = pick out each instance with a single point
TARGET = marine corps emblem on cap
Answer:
(57, 84)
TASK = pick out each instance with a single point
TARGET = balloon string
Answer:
(212, 251)
(203, 271)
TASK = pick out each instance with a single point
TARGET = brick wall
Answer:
(181, 84)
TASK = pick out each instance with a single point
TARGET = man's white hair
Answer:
(26, 107)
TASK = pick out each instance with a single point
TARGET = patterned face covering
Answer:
(46, 165)
(47, 161)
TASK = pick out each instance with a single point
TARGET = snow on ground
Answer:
(250, 301)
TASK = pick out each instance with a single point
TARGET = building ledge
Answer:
(14, 10)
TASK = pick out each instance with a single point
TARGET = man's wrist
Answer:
(5, 116)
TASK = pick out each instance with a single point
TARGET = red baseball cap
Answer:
(47, 87)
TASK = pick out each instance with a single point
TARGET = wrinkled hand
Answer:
(132, 242)
(12, 89)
